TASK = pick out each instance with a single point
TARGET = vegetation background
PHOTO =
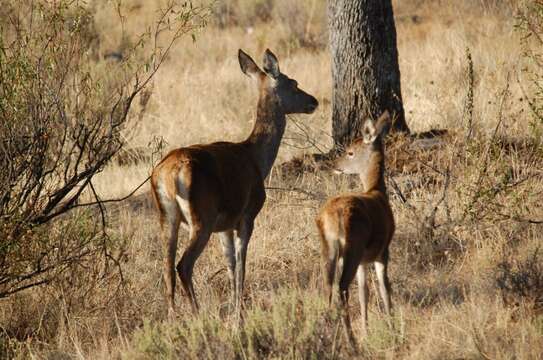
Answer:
(466, 272)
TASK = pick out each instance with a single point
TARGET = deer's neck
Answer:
(267, 132)
(373, 176)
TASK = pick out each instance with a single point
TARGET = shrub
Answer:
(530, 25)
(293, 326)
(521, 282)
(62, 114)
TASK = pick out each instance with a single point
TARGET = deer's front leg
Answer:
(227, 243)
(244, 232)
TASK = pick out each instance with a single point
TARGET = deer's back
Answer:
(224, 172)
(363, 221)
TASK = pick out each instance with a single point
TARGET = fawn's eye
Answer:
(350, 154)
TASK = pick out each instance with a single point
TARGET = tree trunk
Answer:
(365, 68)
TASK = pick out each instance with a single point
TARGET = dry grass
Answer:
(445, 264)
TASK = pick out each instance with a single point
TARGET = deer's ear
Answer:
(372, 131)
(368, 132)
(247, 65)
(382, 125)
(271, 65)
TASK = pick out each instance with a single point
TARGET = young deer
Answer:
(219, 187)
(357, 228)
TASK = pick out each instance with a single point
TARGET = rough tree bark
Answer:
(365, 68)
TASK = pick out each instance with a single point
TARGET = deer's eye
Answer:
(350, 154)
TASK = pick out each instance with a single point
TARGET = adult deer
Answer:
(357, 228)
(219, 187)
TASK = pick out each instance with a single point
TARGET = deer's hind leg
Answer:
(199, 236)
(329, 255)
(200, 210)
(381, 270)
(170, 220)
(351, 260)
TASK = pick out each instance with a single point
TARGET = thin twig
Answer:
(113, 200)
(296, 189)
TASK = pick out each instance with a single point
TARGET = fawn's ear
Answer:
(368, 132)
(382, 125)
(372, 131)
(271, 65)
(247, 65)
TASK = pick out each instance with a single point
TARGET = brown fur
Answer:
(219, 187)
(357, 228)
